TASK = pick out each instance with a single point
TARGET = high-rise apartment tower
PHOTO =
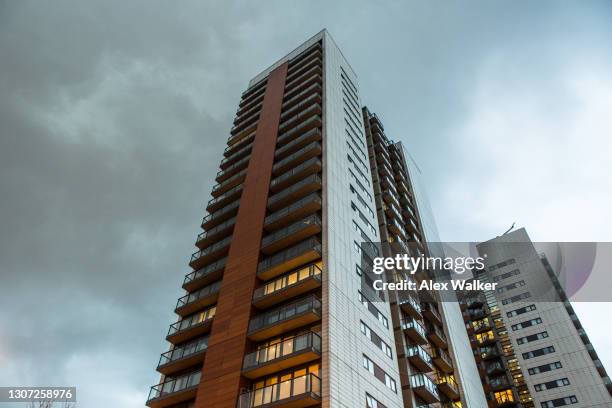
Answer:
(274, 313)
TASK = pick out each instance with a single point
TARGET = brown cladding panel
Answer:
(221, 377)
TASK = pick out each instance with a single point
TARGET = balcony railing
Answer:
(306, 205)
(200, 320)
(295, 192)
(424, 388)
(419, 357)
(310, 166)
(311, 150)
(299, 117)
(182, 353)
(221, 215)
(207, 237)
(409, 304)
(210, 252)
(307, 388)
(295, 144)
(174, 386)
(305, 83)
(205, 275)
(292, 234)
(437, 336)
(229, 171)
(293, 257)
(287, 286)
(226, 185)
(315, 70)
(234, 151)
(314, 98)
(414, 330)
(202, 297)
(279, 317)
(284, 351)
(448, 385)
(441, 359)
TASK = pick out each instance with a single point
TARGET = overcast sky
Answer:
(114, 114)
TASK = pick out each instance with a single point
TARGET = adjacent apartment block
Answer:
(530, 346)
(274, 312)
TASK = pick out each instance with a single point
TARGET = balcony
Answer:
(202, 277)
(174, 390)
(505, 400)
(291, 235)
(300, 189)
(442, 360)
(221, 215)
(191, 326)
(232, 170)
(215, 204)
(489, 353)
(294, 100)
(291, 352)
(436, 335)
(481, 326)
(183, 357)
(496, 368)
(233, 181)
(420, 358)
(448, 385)
(309, 151)
(237, 150)
(291, 258)
(396, 228)
(312, 99)
(304, 391)
(298, 79)
(302, 85)
(284, 318)
(296, 211)
(210, 253)
(199, 299)
(304, 59)
(216, 233)
(310, 166)
(431, 313)
(312, 135)
(288, 286)
(303, 65)
(409, 304)
(414, 330)
(300, 117)
(425, 388)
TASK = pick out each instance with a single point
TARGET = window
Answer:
(390, 382)
(483, 337)
(545, 368)
(504, 396)
(511, 286)
(368, 364)
(527, 323)
(376, 339)
(532, 337)
(552, 384)
(560, 402)
(516, 298)
(539, 352)
(371, 402)
(379, 373)
(521, 310)
(506, 275)
(366, 302)
(361, 200)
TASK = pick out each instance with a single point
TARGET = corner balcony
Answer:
(291, 235)
(448, 386)
(285, 318)
(409, 304)
(216, 233)
(232, 170)
(217, 203)
(310, 166)
(297, 350)
(297, 191)
(312, 135)
(309, 151)
(199, 299)
(297, 392)
(442, 360)
(174, 390)
(431, 313)
(291, 258)
(296, 211)
(217, 217)
(414, 330)
(204, 276)
(234, 149)
(437, 336)
(496, 368)
(191, 326)
(425, 388)
(210, 253)
(420, 358)
(228, 184)
(183, 357)
(287, 286)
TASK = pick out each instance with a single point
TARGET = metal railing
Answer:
(285, 348)
(271, 317)
(306, 384)
(210, 249)
(288, 280)
(198, 294)
(313, 178)
(170, 386)
(215, 266)
(193, 320)
(421, 380)
(312, 219)
(275, 216)
(310, 244)
(186, 350)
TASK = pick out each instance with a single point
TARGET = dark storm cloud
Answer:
(113, 116)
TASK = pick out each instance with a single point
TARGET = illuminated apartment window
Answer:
(504, 396)
(482, 337)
